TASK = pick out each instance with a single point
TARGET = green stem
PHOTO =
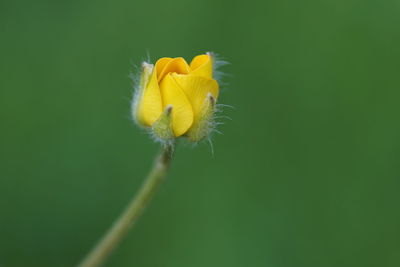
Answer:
(135, 208)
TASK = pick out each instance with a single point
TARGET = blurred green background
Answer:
(306, 174)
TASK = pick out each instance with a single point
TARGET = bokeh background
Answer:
(306, 174)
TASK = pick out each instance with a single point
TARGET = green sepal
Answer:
(203, 126)
(162, 128)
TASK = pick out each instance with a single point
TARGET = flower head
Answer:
(175, 98)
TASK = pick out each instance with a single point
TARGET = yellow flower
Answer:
(185, 92)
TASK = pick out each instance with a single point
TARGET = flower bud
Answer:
(176, 99)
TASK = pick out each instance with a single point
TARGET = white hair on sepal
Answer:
(211, 146)
(148, 57)
(213, 124)
(217, 63)
(135, 75)
(135, 80)
(137, 71)
(157, 139)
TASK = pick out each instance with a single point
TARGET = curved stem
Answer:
(132, 212)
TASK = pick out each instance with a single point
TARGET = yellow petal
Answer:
(161, 63)
(177, 65)
(202, 66)
(182, 113)
(196, 88)
(150, 103)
